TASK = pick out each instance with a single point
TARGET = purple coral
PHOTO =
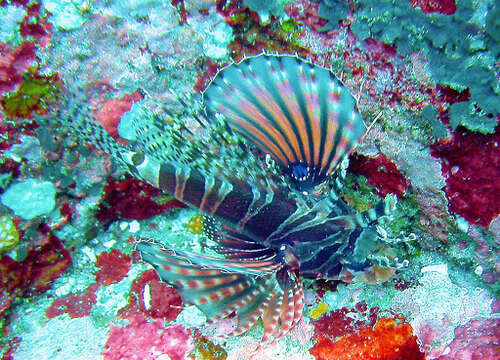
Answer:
(476, 340)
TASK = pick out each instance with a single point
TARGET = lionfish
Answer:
(270, 233)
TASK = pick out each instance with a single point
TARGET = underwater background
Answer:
(425, 75)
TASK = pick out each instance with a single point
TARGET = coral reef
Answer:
(469, 162)
(9, 235)
(114, 267)
(32, 97)
(476, 339)
(30, 198)
(451, 61)
(34, 274)
(109, 113)
(142, 201)
(15, 61)
(388, 340)
(152, 298)
(425, 77)
(147, 340)
(380, 172)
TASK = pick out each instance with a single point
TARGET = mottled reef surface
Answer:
(71, 284)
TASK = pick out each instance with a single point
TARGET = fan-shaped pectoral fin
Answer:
(220, 287)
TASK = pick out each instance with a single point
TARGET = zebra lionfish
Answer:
(271, 233)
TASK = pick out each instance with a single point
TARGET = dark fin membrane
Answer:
(233, 244)
(295, 111)
(220, 287)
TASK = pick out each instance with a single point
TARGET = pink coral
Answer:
(114, 267)
(145, 340)
(75, 306)
(476, 340)
(13, 63)
(165, 300)
(110, 112)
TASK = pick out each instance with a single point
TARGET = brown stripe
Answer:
(181, 177)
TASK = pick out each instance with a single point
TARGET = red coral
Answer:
(133, 199)
(47, 263)
(478, 339)
(67, 210)
(114, 267)
(34, 274)
(390, 339)
(452, 96)
(446, 7)
(179, 4)
(471, 165)
(13, 63)
(381, 172)
(75, 306)
(339, 323)
(111, 110)
(13, 281)
(334, 324)
(165, 300)
(34, 25)
(146, 340)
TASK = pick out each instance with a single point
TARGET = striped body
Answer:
(319, 232)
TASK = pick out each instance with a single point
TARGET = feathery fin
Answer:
(219, 287)
(295, 111)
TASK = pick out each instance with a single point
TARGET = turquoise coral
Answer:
(30, 198)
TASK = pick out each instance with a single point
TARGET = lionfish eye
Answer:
(299, 171)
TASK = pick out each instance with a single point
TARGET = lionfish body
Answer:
(268, 234)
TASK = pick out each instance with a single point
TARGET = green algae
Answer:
(358, 194)
(207, 350)
(31, 97)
